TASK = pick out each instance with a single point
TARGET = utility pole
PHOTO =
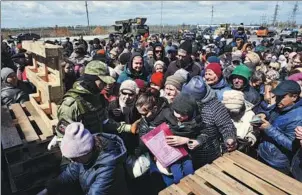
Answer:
(212, 14)
(275, 14)
(293, 18)
(87, 17)
(161, 17)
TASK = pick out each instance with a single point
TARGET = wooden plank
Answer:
(265, 172)
(176, 190)
(48, 122)
(37, 118)
(27, 129)
(221, 181)
(41, 49)
(9, 133)
(245, 177)
(198, 186)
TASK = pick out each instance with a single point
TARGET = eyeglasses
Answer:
(158, 51)
(129, 94)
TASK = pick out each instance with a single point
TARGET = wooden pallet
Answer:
(235, 173)
(24, 142)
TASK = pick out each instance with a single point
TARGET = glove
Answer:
(134, 127)
(53, 143)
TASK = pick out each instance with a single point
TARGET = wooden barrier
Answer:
(235, 173)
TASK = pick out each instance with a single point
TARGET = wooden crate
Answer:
(24, 143)
(235, 173)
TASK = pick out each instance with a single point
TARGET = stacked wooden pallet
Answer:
(27, 128)
(235, 173)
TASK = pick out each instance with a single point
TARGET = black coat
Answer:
(193, 68)
(11, 95)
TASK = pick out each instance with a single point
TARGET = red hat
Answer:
(158, 79)
(140, 83)
(216, 68)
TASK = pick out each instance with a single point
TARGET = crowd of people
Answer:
(215, 97)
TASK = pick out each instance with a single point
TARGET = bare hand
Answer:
(298, 132)
(192, 144)
(265, 124)
(174, 140)
(231, 145)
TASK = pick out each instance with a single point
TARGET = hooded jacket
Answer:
(250, 94)
(104, 175)
(130, 74)
(277, 147)
(220, 88)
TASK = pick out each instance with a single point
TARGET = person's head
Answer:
(157, 80)
(172, 52)
(272, 75)
(274, 66)
(298, 78)
(146, 102)
(137, 63)
(96, 42)
(128, 91)
(169, 43)
(257, 79)
(213, 73)
(78, 143)
(265, 42)
(196, 87)
(113, 54)
(239, 42)
(124, 58)
(159, 66)
(183, 107)
(184, 53)
(173, 86)
(297, 61)
(269, 97)
(153, 39)
(68, 68)
(80, 50)
(234, 101)
(252, 58)
(240, 77)
(267, 58)
(150, 53)
(158, 51)
(98, 72)
(287, 93)
(9, 76)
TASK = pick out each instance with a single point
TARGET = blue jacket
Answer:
(276, 149)
(102, 176)
(220, 88)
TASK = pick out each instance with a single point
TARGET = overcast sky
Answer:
(63, 13)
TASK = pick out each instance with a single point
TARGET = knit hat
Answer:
(216, 68)
(77, 141)
(175, 81)
(253, 58)
(295, 77)
(129, 85)
(140, 84)
(159, 63)
(124, 58)
(237, 56)
(5, 72)
(187, 46)
(157, 79)
(233, 100)
(272, 75)
(213, 59)
(184, 104)
(196, 87)
(183, 74)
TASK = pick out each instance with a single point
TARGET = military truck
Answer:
(132, 27)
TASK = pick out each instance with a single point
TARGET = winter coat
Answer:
(193, 68)
(276, 148)
(104, 175)
(11, 95)
(216, 125)
(130, 74)
(296, 166)
(220, 88)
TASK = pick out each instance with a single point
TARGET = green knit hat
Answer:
(242, 70)
(99, 69)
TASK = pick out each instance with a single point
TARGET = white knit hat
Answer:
(233, 100)
(129, 85)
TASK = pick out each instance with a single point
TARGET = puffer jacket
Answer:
(11, 95)
(104, 175)
(130, 74)
(276, 148)
(220, 88)
(218, 127)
